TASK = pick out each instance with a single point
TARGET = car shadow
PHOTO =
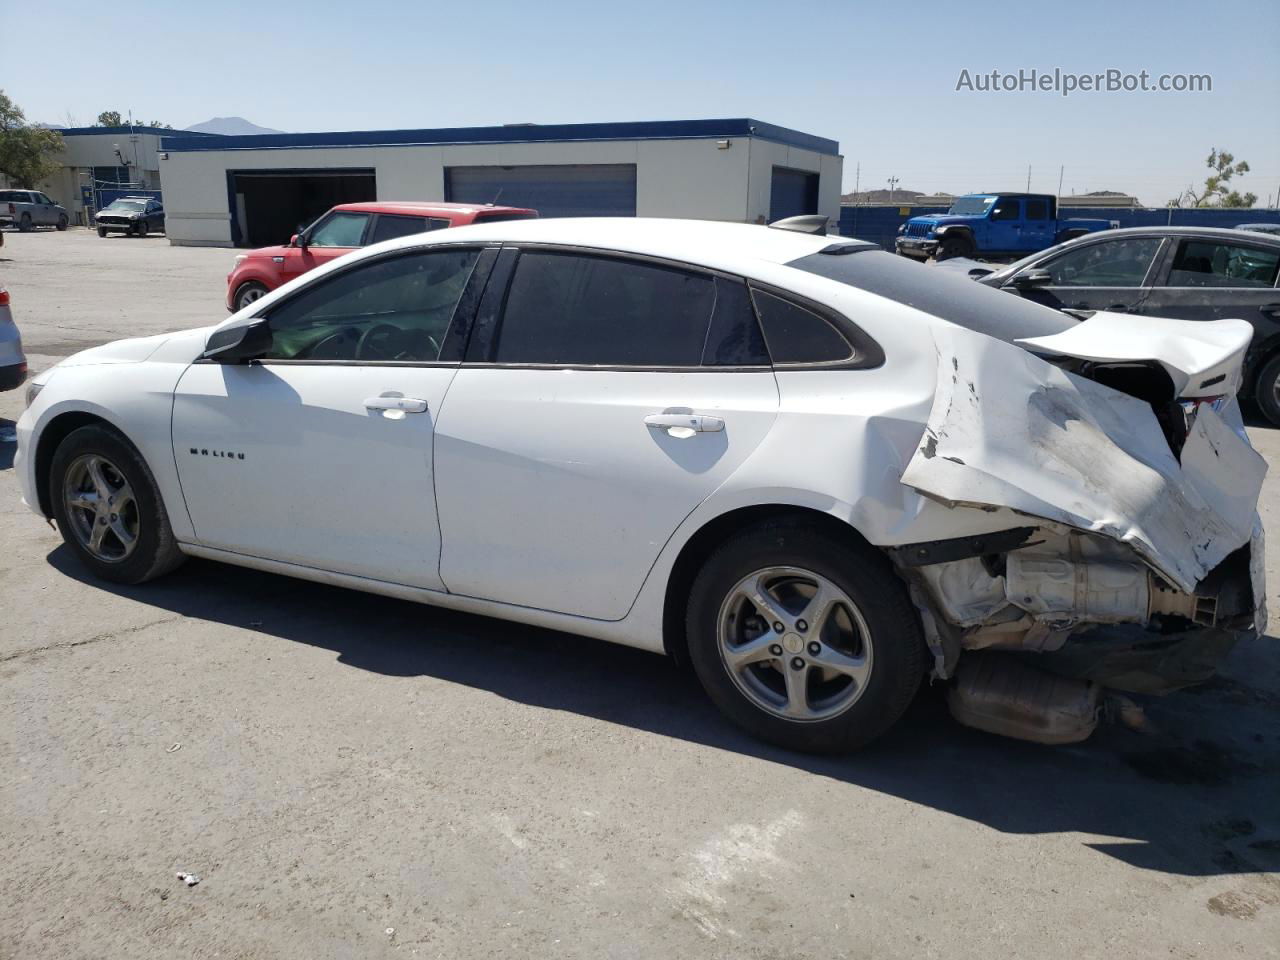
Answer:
(1197, 799)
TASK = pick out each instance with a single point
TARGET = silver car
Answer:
(28, 209)
(13, 362)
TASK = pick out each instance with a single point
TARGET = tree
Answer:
(109, 118)
(27, 154)
(1216, 192)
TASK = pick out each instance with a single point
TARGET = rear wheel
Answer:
(1267, 390)
(249, 292)
(108, 507)
(803, 638)
(24, 223)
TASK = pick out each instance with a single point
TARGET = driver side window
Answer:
(396, 309)
(1111, 263)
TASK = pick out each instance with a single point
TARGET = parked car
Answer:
(1186, 273)
(348, 227)
(131, 215)
(816, 470)
(28, 209)
(13, 362)
(992, 225)
(1260, 227)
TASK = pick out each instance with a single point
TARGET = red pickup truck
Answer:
(347, 227)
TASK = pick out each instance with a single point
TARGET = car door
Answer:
(47, 210)
(337, 233)
(602, 400)
(155, 216)
(321, 452)
(1111, 274)
(1211, 279)
(1004, 226)
(1037, 225)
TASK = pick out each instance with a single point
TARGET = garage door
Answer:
(580, 190)
(268, 206)
(792, 193)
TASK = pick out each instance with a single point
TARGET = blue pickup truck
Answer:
(991, 225)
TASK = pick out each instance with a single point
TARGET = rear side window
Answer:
(1206, 263)
(601, 311)
(1037, 210)
(389, 226)
(797, 335)
(495, 217)
(734, 338)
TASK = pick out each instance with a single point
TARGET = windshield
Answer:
(943, 293)
(127, 205)
(971, 206)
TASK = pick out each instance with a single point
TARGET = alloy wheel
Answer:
(101, 508)
(795, 643)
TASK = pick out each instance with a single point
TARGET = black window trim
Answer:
(488, 328)
(455, 337)
(866, 353)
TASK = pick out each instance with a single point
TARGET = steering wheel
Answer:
(333, 339)
(367, 339)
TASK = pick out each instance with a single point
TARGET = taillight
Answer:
(4, 297)
(1192, 406)
(12, 209)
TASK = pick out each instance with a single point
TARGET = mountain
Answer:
(230, 127)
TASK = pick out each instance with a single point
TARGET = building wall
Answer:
(690, 178)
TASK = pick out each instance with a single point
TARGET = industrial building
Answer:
(257, 190)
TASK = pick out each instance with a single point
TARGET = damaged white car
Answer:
(819, 472)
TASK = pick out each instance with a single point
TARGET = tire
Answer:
(102, 231)
(74, 492)
(249, 292)
(873, 637)
(24, 223)
(1266, 390)
(953, 247)
(141, 228)
(62, 222)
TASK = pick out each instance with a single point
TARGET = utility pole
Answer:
(893, 182)
(1028, 178)
(857, 182)
(1061, 170)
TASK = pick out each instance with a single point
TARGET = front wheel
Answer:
(803, 638)
(952, 247)
(1267, 390)
(108, 507)
(141, 228)
(102, 231)
(248, 293)
(62, 222)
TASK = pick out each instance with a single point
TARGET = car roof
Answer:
(706, 243)
(422, 207)
(1223, 233)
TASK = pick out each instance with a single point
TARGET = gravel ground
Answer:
(353, 776)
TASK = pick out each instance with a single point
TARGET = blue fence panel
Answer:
(880, 224)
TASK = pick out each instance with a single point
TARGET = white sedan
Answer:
(817, 471)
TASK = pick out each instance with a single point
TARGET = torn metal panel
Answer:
(1008, 429)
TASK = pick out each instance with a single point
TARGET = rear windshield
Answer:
(14, 195)
(940, 292)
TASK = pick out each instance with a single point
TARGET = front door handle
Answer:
(1118, 308)
(1271, 309)
(396, 404)
(684, 424)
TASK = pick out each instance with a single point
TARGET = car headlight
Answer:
(902, 228)
(33, 391)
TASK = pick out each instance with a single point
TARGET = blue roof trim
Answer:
(180, 142)
(136, 128)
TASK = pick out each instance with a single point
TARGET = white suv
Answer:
(818, 471)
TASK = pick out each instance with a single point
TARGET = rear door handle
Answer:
(684, 424)
(401, 404)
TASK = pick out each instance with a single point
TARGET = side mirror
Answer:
(1029, 279)
(300, 239)
(239, 344)
(293, 241)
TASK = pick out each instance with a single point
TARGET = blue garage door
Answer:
(580, 190)
(792, 193)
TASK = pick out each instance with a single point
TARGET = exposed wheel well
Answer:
(703, 543)
(57, 430)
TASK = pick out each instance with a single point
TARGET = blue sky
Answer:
(878, 77)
